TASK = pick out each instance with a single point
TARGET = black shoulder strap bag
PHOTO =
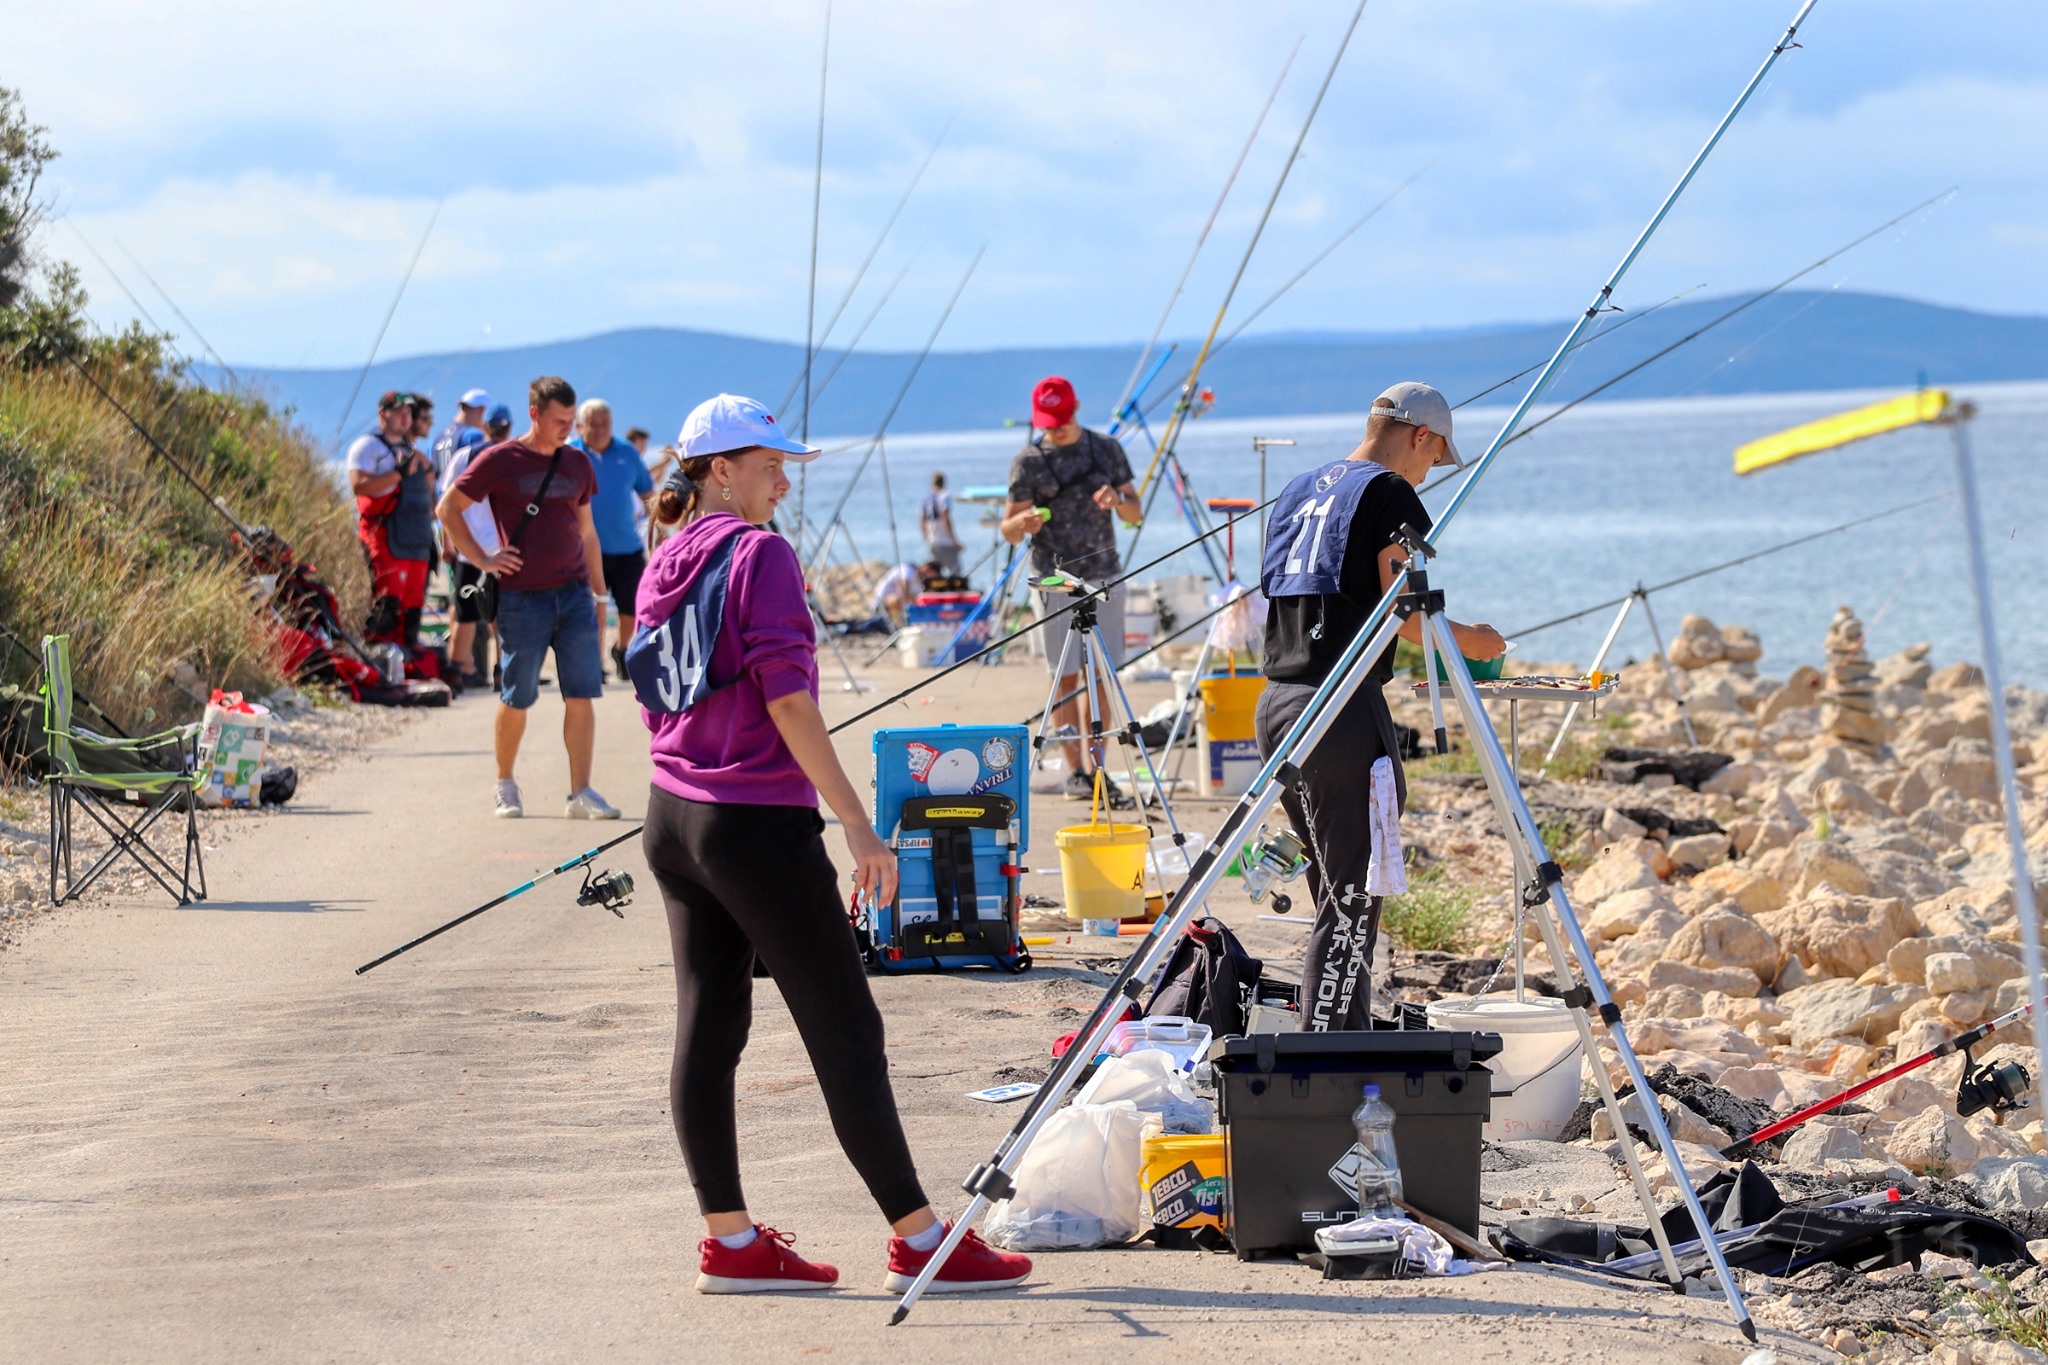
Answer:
(487, 606)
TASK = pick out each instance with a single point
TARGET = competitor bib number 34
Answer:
(670, 662)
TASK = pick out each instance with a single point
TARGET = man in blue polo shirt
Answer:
(623, 487)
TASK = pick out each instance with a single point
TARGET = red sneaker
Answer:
(765, 1265)
(974, 1265)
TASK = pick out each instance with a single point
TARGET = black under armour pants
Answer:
(1331, 812)
(745, 880)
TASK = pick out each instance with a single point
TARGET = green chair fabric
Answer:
(124, 786)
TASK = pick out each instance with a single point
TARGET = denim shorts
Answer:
(530, 623)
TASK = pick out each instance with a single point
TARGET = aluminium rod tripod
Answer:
(1641, 595)
(993, 1179)
(1095, 664)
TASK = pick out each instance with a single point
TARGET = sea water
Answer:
(1608, 496)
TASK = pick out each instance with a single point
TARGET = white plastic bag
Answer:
(1078, 1186)
(1154, 1081)
(1242, 624)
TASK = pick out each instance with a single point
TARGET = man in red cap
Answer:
(1082, 480)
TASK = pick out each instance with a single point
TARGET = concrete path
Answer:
(217, 1143)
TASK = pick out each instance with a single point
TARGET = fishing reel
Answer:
(2000, 1087)
(1273, 858)
(612, 890)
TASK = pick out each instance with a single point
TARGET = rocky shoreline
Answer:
(1816, 888)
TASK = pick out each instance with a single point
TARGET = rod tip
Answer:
(1748, 1330)
(901, 1313)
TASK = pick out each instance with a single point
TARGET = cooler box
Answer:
(1286, 1102)
(954, 802)
(1229, 747)
(940, 615)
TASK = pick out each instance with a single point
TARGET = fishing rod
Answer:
(993, 1178)
(1132, 387)
(207, 496)
(859, 332)
(1707, 326)
(113, 275)
(389, 313)
(611, 890)
(1138, 531)
(860, 274)
(902, 392)
(1188, 389)
(226, 368)
(817, 200)
(1725, 565)
(2000, 1087)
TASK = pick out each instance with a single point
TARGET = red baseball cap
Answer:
(1053, 403)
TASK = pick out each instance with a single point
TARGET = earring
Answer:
(726, 493)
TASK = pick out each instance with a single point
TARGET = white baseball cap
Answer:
(475, 398)
(1419, 405)
(718, 426)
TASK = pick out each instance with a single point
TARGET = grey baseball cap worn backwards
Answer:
(1419, 405)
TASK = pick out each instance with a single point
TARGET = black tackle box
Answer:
(1286, 1102)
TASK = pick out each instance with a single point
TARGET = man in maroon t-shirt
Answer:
(550, 584)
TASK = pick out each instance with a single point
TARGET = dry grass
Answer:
(101, 540)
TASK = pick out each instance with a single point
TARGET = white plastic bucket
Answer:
(1536, 1075)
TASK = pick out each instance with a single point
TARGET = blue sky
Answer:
(607, 166)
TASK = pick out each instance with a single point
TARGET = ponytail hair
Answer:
(681, 498)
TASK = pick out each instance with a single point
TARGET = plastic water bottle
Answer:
(1379, 1166)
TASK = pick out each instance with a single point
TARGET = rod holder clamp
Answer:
(991, 1182)
(1547, 876)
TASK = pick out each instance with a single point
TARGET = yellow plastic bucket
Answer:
(1230, 733)
(1183, 1180)
(1103, 867)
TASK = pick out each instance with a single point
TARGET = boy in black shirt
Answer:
(1330, 554)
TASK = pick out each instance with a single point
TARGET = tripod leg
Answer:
(991, 1180)
(1593, 993)
(1137, 737)
(1670, 673)
(1599, 660)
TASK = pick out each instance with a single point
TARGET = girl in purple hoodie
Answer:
(725, 665)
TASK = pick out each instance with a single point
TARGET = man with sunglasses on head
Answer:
(1331, 553)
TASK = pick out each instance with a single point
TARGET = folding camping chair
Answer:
(122, 785)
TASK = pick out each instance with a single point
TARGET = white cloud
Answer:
(626, 165)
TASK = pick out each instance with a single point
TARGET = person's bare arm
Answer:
(450, 509)
(1020, 519)
(1481, 642)
(593, 553)
(1122, 501)
(367, 485)
(802, 727)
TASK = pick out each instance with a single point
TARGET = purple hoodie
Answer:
(725, 748)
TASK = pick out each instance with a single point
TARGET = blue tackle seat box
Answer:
(964, 792)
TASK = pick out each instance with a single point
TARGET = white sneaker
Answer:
(508, 800)
(588, 805)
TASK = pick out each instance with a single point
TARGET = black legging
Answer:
(745, 880)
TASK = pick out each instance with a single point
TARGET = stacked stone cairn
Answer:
(1849, 699)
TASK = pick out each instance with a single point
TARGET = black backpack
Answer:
(1209, 979)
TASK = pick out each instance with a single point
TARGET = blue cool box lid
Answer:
(952, 760)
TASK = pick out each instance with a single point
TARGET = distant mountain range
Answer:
(1789, 342)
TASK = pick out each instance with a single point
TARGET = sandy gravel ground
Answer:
(217, 1143)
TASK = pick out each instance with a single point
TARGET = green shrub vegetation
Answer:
(1432, 916)
(99, 538)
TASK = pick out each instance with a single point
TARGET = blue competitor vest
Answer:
(1311, 528)
(670, 661)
